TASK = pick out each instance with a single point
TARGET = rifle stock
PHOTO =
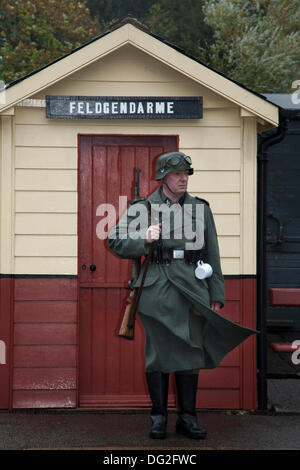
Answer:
(132, 302)
(128, 323)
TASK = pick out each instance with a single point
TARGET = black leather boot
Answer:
(186, 394)
(158, 385)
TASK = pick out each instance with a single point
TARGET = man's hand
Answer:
(216, 306)
(153, 233)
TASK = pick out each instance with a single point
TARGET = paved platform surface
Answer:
(127, 430)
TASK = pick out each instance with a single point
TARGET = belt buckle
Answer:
(178, 254)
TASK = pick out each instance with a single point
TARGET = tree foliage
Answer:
(182, 23)
(256, 42)
(108, 11)
(35, 32)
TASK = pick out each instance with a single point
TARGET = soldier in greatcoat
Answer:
(179, 307)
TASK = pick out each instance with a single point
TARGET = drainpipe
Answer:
(265, 142)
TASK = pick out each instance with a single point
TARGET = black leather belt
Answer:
(163, 255)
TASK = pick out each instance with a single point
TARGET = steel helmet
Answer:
(172, 161)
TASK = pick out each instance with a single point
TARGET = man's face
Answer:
(177, 181)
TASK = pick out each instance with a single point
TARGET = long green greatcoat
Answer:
(182, 331)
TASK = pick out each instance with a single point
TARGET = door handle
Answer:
(93, 267)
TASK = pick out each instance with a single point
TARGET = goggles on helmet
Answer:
(175, 160)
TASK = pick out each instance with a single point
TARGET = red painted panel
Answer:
(233, 383)
(222, 377)
(38, 378)
(284, 347)
(232, 289)
(49, 365)
(231, 310)
(248, 347)
(45, 356)
(6, 292)
(43, 288)
(45, 333)
(117, 400)
(43, 311)
(120, 370)
(231, 359)
(284, 297)
(218, 399)
(45, 342)
(44, 398)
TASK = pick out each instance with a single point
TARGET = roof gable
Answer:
(170, 55)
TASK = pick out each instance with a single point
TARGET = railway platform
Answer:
(127, 430)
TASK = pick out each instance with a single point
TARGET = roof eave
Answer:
(128, 33)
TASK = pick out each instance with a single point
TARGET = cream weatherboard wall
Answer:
(7, 193)
(222, 146)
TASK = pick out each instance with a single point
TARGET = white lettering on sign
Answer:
(88, 111)
(149, 107)
(122, 107)
(140, 108)
(80, 108)
(170, 107)
(114, 108)
(160, 107)
(132, 107)
(2, 352)
(72, 107)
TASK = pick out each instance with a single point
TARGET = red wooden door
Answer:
(111, 369)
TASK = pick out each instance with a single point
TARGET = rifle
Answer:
(128, 323)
